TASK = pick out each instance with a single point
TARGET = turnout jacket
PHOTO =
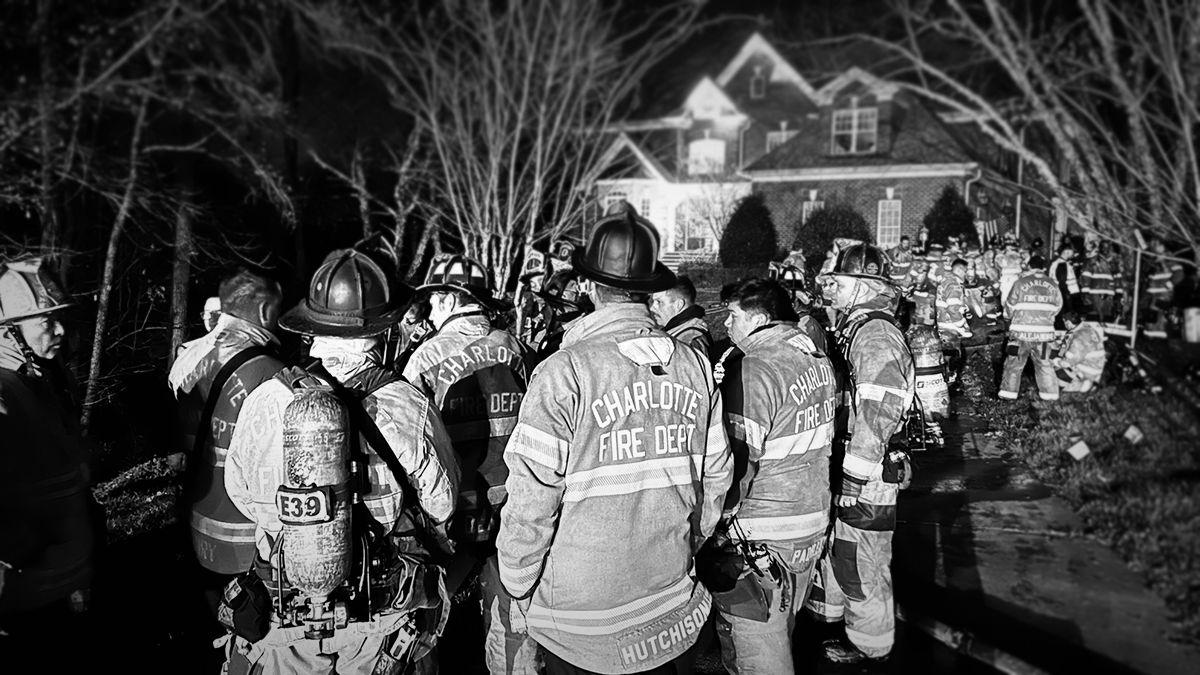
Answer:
(618, 470)
(1032, 304)
(881, 382)
(222, 538)
(45, 522)
(780, 403)
(475, 375)
(1083, 352)
(690, 328)
(254, 468)
(902, 263)
(1063, 271)
(950, 317)
(1099, 276)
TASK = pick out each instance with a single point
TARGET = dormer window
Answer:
(706, 156)
(855, 131)
(758, 83)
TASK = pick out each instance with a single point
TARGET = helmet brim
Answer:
(304, 320)
(488, 300)
(660, 280)
(37, 313)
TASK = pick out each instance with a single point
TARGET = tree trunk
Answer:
(110, 263)
(181, 275)
(50, 240)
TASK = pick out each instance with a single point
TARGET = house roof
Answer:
(648, 162)
(782, 72)
(882, 89)
(917, 137)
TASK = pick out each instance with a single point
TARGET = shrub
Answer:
(835, 221)
(707, 275)
(749, 237)
(949, 217)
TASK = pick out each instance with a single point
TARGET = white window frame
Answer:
(614, 197)
(758, 85)
(778, 138)
(856, 123)
(645, 207)
(810, 207)
(887, 234)
(706, 156)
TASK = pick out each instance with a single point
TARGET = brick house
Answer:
(756, 124)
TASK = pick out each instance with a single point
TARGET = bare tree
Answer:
(1107, 91)
(512, 99)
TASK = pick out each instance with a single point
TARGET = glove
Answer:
(517, 609)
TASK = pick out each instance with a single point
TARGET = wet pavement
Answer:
(983, 547)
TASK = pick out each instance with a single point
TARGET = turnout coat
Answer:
(618, 469)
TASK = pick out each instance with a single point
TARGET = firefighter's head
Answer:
(755, 303)
(666, 305)
(457, 285)
(251, 297)
(1071, 319)
(620, 262)
(860, 275)
(959, 268)
(905, 243)
(350, 296)
(31, 307)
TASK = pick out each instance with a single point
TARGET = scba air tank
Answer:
(926, 348)
(314, 501)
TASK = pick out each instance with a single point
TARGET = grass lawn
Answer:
(1142, 499)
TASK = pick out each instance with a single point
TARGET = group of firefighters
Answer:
(593, 479)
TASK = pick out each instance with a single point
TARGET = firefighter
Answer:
(475, 375)
(902, 262)
(1010, 265)
(1163, 276)
(938, 263)
(1099, 281)
(241, 352)
(951, 319)
(399, 445)
(853, 580)
(1031, 306)
(676, 311)
(563, 304)
(780, 399)
(618, 470)
(1081, 360)
(47, 537)
(1062, 271)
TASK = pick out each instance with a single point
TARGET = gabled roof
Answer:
(782, 72)
(651, 164)
(706, 95)
(882, 89)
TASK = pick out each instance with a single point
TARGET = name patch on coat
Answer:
(659, 639)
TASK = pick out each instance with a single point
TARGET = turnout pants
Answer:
(750, 647)
(1017, 353)
(853, 580)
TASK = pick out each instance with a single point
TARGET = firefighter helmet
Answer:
(350, 296)
(26, 290)
(622, 252)
(561, 292)
(863, 261)
(460, 273)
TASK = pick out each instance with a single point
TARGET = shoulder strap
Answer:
(435, 542)
(218, 385)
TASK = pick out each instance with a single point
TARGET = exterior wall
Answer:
(916, 195)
